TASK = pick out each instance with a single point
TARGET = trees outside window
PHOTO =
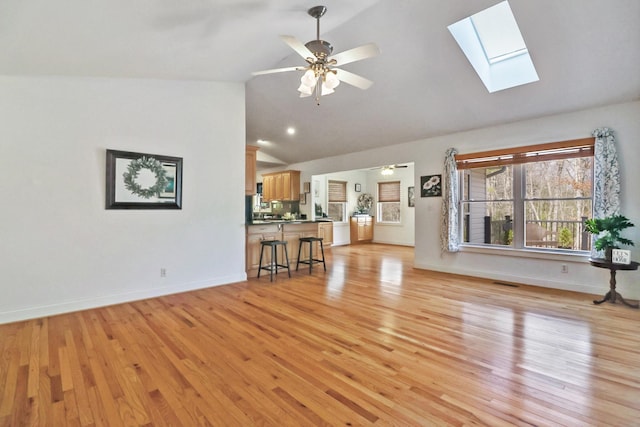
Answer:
(538, 197)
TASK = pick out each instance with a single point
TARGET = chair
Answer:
(311, 260)
(273, 265)
(536, 235)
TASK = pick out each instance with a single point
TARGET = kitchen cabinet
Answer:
(251, 156)
(325, 230)
(282, 186)
(289, 232)
(361, 229)
(268, 188)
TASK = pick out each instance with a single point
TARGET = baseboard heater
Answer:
(505, 284)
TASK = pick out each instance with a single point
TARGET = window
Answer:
(493, 44)
(528, 197)
(389, 202)
(338, 200)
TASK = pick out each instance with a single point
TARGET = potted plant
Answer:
(608, 231)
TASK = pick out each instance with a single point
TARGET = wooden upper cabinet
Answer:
(268, 187)
(284, 186)
(279, 187)
(251, 155)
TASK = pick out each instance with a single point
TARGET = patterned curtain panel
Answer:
(449, 228)
(606, 198)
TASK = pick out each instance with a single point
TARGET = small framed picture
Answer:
(306, 187)
(358, 188)
(431, 186)
(412, 197)
(303, 198)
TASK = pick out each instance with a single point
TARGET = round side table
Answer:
(614, 295)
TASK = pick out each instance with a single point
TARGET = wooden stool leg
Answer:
(310, 256)
(286, 257)
(260, 263)
(322, 250)
(274, 260)
(299, 249)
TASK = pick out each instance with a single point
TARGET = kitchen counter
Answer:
(287, 221)
(288, 231)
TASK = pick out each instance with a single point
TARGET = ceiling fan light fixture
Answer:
(326, 90)
(320, 76)
(387, 170)
(330, 80)
(306, 90)
(309, 79)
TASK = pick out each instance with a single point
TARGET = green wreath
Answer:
(133, 170)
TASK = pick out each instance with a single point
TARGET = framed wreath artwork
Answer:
(143, 181)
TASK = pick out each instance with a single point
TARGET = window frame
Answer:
(337, 197)
(519, 157)
(382, 201)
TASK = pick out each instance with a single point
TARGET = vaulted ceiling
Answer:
(586, 52)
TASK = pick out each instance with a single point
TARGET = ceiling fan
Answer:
(388, 169)
(320, 75)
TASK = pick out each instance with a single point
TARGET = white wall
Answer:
(341, 233)
(60, 249)
(428, 157)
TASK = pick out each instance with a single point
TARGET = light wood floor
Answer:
(370, 342)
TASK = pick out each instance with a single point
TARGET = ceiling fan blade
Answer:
(353, 79)
(278, 70)
(298, 46)
(355, 54)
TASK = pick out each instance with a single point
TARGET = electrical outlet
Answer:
(163, 272)
(565, 268)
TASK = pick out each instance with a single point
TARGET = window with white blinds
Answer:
(389, 202)
(338, 200)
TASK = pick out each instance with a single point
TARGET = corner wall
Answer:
(60, 249)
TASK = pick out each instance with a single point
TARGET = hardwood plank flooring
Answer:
(370, 342)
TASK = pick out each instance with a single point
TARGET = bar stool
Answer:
(311, 260)
(273, 265)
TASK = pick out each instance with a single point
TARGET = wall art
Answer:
(143, 181)
(431, 186)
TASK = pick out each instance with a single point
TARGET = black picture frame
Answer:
(358, 188)
(411, 196)
(431, 186)
(130, 181)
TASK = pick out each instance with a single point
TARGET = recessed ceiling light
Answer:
(291, 131)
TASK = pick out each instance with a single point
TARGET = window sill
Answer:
(557, 255)
(393, 224)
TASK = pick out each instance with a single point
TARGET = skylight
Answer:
(492, 42)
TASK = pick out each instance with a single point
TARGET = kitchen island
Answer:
(289, 231)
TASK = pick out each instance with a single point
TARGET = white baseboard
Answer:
(534, 281)
(105, 300)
